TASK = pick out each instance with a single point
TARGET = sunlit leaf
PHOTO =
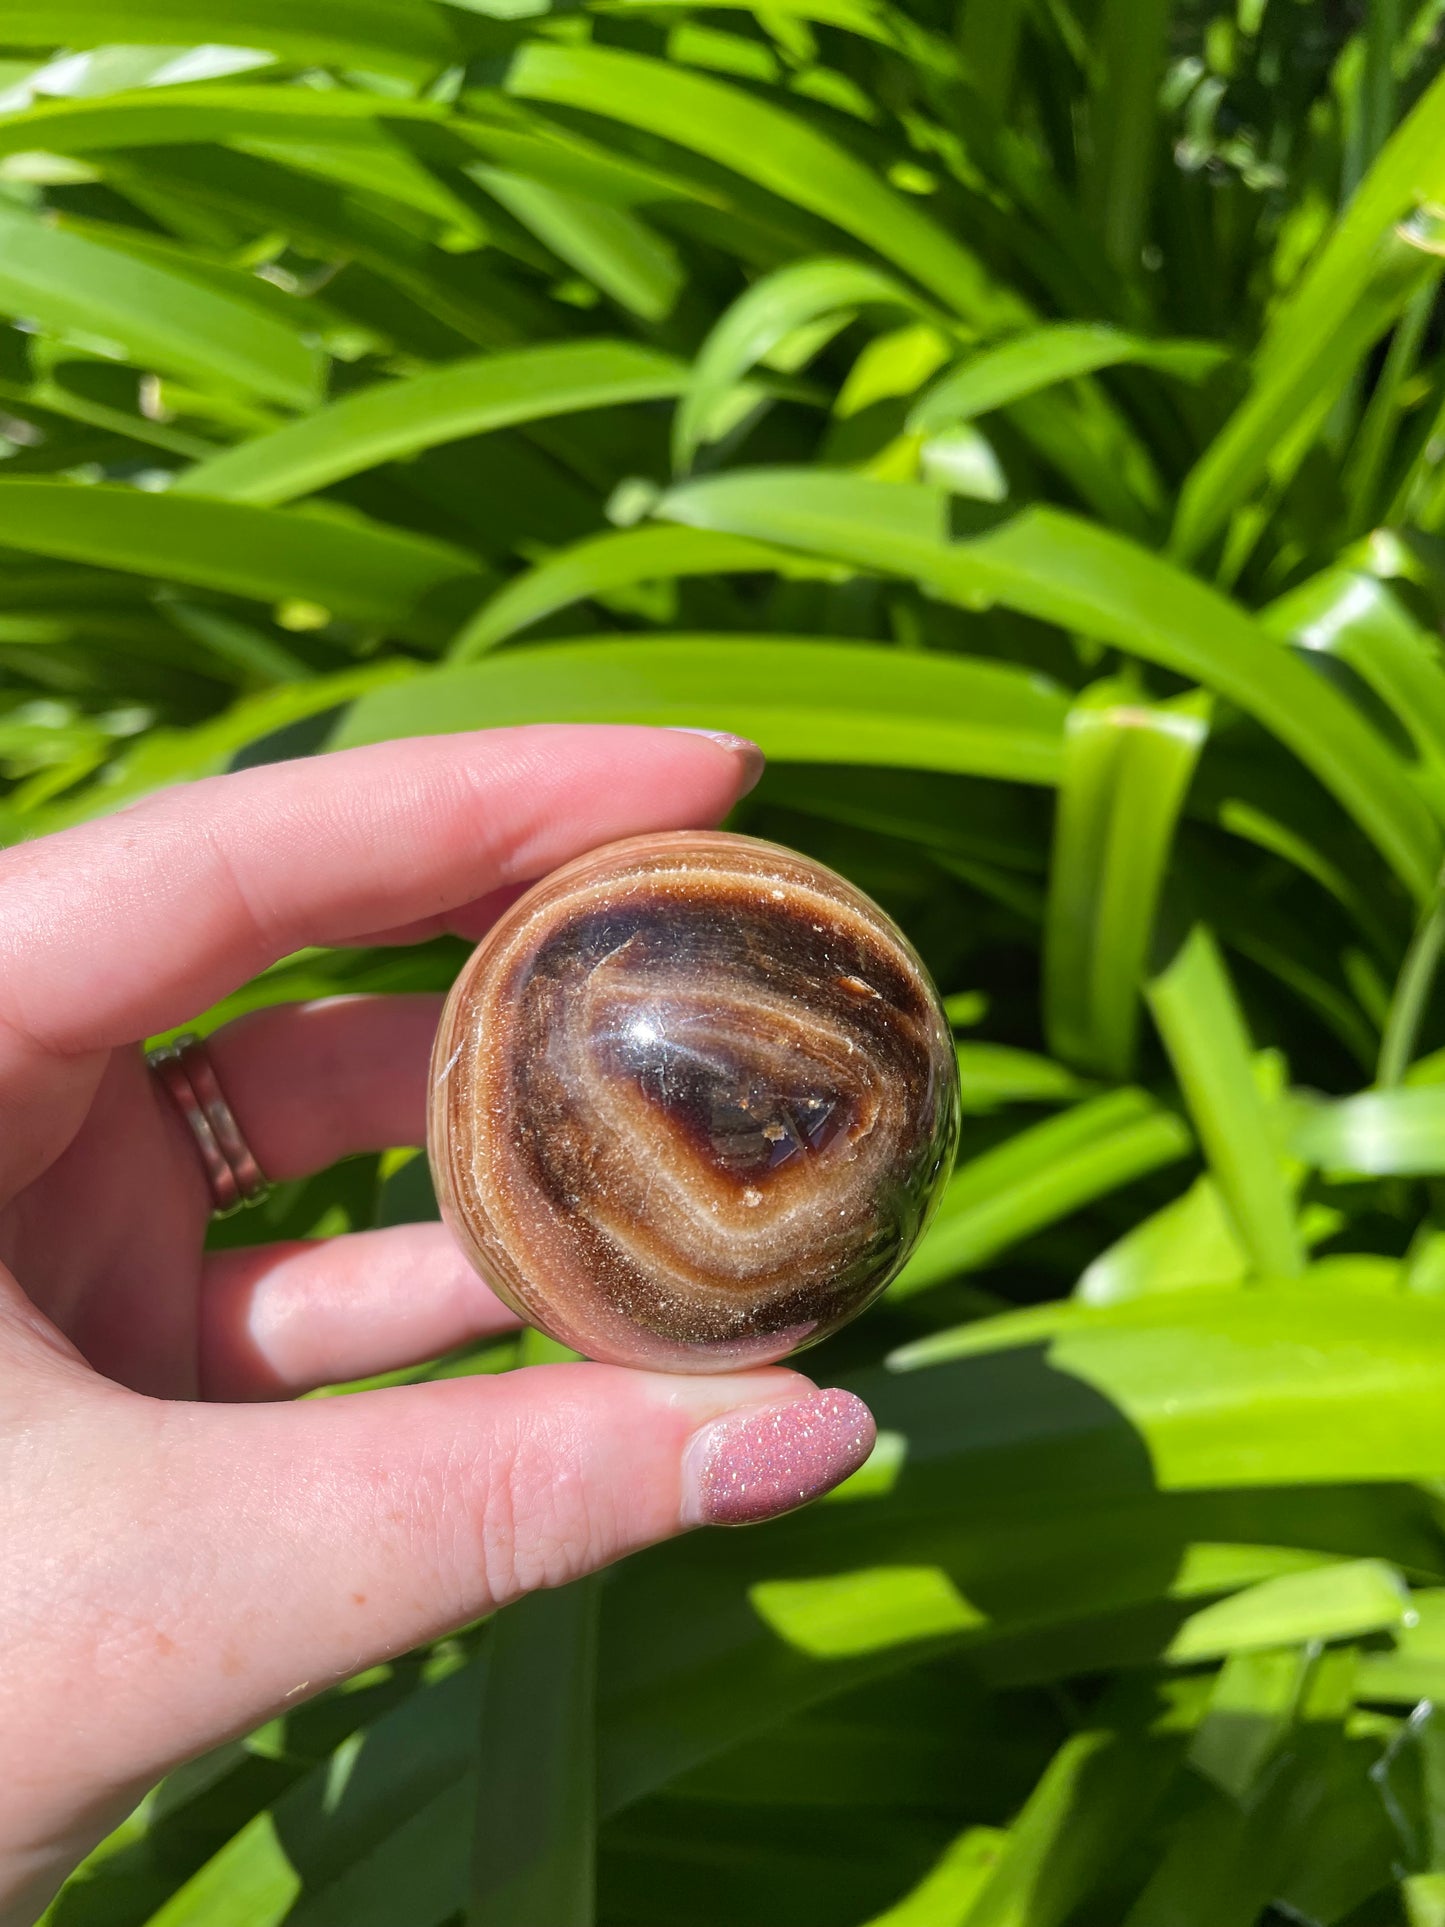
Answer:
(397, 419)
(994, 377)
(1203, 1029)
(801, 700)
(778, 150)
(1127, 765)
(1072, 573)
(164, 321)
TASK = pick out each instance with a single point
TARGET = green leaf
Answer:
(1127, 766)
(949, 1888)
(1424, 1898)
(1396, 1133)
(778, 151)
(1411, 999)
(612, 248)
(159, 319)
(772, 309)
(1251, 1709)
(1203, 1030)
(165, 756)
(250, 1882)
(887, 26)
(994, 377)
(534, 1846)
(1336, 1602)
(405, 37)
(1040, 1175)
(396, 419)
(995, 1074)
(604, 563)
(1099, 1791)
(1225, 1862)
(1275, 1387)
(1352, 616)
(1065, 571)
(1413, 1668)
(347, 565)
(847, 1614)
(1355, 287)
(158, 117)
(802, 701)
(1190, 1245)
(1133, 49)
(381, 1824)
(1391, 402)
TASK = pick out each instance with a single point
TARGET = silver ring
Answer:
(235, 1178)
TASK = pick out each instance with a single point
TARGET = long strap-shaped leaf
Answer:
(1040, 1175)
(1099, 1791)
(994, 377)
(400, 418)
(1270, 1387)
(351, 567)
(534, 1846)
(1127, 766)
(1203, 1029)
(779, 151)
(411, 38)
(1399, 1133)
(804, 701)
(1354, 616)
(170, 322)
(1059, 568)
(617, 560)
(162, 117)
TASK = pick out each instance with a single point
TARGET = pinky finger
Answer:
(277, 1320)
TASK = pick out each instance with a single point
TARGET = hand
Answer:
(172, 1573)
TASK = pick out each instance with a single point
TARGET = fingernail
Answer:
(757, 1465)
(748, 754)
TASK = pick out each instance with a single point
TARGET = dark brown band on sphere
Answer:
(693, 1099)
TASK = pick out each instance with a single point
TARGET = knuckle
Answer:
(525, 1515)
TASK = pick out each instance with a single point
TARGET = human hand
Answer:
(174, 1572)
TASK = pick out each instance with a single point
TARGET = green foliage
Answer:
(1028, 421)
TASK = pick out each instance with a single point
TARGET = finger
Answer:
(470, 920)
(281, 1319)
(124, 927)
(287, 1546)
(311, 1083)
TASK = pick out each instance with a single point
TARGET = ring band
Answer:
(184, 1068)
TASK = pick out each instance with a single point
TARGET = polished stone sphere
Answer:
(693, 1099)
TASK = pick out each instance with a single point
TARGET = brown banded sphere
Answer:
(692, 1102)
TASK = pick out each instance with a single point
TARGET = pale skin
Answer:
(184, 1551)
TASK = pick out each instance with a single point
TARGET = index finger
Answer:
(127, 926)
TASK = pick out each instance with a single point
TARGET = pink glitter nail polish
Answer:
(757, 1465)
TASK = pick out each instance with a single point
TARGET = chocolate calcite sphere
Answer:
(693, 1099)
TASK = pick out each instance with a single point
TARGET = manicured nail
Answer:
(756, 1465)
(748, 754)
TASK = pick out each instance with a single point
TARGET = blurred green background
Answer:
(1027, 419)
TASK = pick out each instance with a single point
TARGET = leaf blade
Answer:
(395, 419)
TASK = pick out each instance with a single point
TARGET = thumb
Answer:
(270, 1551)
